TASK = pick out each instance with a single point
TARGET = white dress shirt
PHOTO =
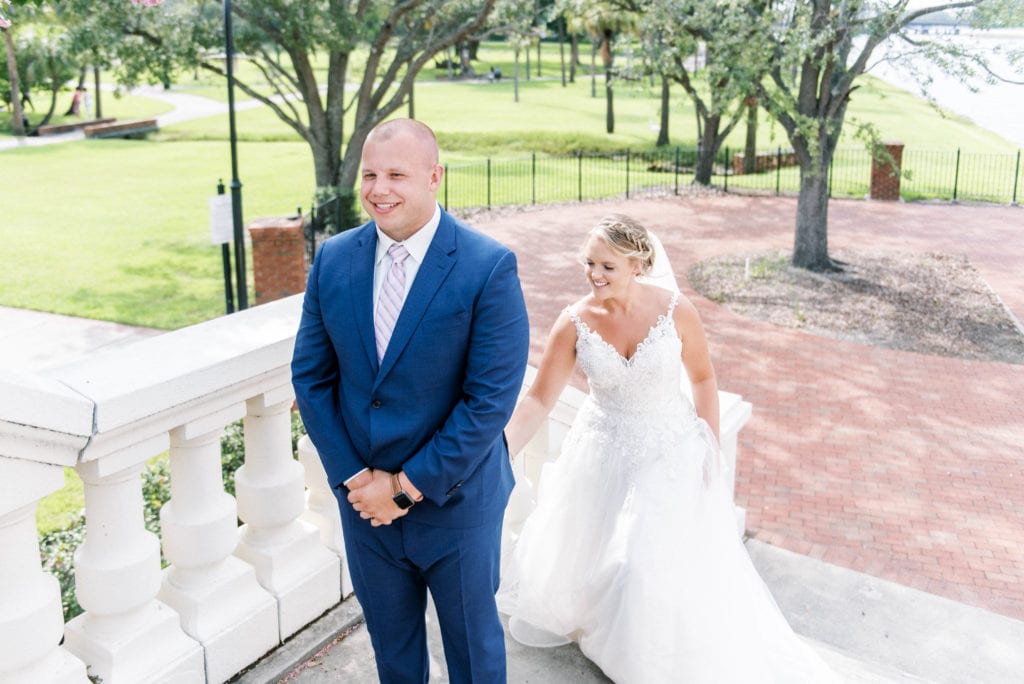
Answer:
(417, 244)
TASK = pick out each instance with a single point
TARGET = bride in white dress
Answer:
(632, 549)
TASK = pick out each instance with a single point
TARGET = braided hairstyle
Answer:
(626, 237)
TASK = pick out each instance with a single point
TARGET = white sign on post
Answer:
(222, 226)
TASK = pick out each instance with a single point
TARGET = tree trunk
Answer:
(609, 118)
(54, 92)
(707, 149)
(515, 78)
(810, 248)
(96, 80)
(593, 66)
(574, 56)
(561, 46)
(607, 56)
(750, 150)
(465, 64)
(663, 129)
(538, 56)
(17, 113)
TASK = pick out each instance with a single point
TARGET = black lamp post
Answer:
(236, 185)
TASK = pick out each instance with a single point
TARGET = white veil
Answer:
(661, 274)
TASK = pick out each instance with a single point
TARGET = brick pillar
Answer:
(885, 176)
(278, 257)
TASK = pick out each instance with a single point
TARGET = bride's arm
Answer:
(697, 360)
(555, 370)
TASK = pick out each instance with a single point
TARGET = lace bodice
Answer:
(648, 382)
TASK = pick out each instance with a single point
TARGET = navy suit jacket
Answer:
(437, 404)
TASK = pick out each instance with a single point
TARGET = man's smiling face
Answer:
(400, 178)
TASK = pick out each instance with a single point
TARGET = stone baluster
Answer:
(221, 603)
(126, 634)
(322, 507)
(290, 561)
(31, 623)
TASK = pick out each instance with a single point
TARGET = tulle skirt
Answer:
(633, 552)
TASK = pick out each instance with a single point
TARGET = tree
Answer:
(398, 40)
(514, 19)
(17, 113)
(819, 48)
(674, 31)
(604, 20)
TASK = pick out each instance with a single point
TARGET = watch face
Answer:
(402, 500)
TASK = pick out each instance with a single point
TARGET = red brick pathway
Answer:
(904, 466)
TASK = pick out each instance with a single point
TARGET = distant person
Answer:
(632, 550)
(408, 361)
(76, 103)
(494, 74)
(86, 103)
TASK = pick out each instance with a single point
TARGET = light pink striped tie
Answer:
(390, 301)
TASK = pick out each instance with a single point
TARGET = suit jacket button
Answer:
(377, 403)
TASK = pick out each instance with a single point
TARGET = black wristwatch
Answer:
(399, 496)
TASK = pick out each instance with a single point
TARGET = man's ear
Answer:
(436, 176)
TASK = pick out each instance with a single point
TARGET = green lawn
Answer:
(120, 229)
(125, 223)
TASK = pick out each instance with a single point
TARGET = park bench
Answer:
(765, 161)
(132, 128)
(54, 129)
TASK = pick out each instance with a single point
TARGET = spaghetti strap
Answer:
(581, 328)
(672, 304)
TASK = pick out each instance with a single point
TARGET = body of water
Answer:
(998, 107)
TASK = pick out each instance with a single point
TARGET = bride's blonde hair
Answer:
(626, 237)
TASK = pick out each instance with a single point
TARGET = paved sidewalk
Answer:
(33, 340)
(904, 466)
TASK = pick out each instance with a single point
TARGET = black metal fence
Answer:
(544, 179)
(537, 179)
(331, 213)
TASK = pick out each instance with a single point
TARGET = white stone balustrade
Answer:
(220, 601)
(286, 551)
(228, 594)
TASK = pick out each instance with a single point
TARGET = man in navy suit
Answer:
(408, 363)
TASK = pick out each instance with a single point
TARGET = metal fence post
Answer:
(1016, 177)
(446, 187)
(225, 255)
(676, 170)
(533, 177)
(627, 172)
(956, 175)
(831, 169)
(579, 175)
(726, 168)
(778, 170)
(488, 182)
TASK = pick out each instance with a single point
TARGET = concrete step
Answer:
(910, 632)
(870, 631)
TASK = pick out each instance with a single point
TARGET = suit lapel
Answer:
(361, 290)
(437, 263)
